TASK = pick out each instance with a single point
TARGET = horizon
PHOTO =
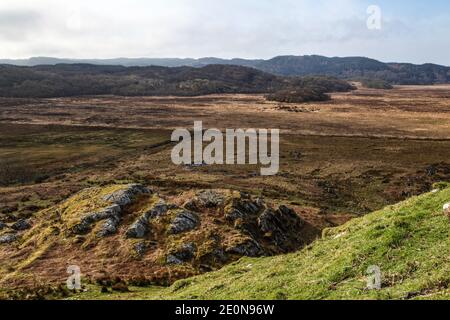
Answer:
(409, 31)
(204, 57)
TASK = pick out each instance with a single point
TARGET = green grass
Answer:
(408, 241)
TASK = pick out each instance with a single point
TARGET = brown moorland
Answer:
(339, 159)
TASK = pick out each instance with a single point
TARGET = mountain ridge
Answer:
(349, 68)
(144, 61)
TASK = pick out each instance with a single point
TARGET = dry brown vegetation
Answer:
(339, 158)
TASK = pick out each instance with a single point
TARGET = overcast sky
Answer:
(411, 31)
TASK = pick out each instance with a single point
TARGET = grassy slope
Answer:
(408, 241)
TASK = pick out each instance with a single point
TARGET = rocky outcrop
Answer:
(109, 227)
(184, 254)
(110, 215)
(141, 226)
(183, 222)
(281, 226)
(243, 207)
(8, 238)
(21, 225)
(158, 236)
(210, 199)
(125, 197)
(248, 248)
(140, 248)
(205, 199)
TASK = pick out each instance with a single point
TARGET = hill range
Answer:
(350, 68)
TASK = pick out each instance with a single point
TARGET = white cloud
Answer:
(196, 28)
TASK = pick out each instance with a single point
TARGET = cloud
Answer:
(16, 25)
(233, 28)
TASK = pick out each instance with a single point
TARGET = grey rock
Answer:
(2, 225)
(234, 214)
(249, 248)
(126, 196)
(220, 255)
(141, 226)
(8, 238)
(205, 199)
(191, 205)
(284, 226)
(210, 198)
(245, 208)
(184, 221)
(140, 248)
(138, 229)
(21, 225)
(171, 259)
(182, 255)
(158, 210)
(109, 227)
(111, 213)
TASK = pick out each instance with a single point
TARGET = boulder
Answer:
(109, 227)
(233, 214)
(141, 226)
(140, 248)
(8, 238)
(182, 255)
(111, 213)
(21, 225)
(126, 196)
(243, 208)
(158, 210)
(210, 199)
(248, 248)
(282, 226)
(205, 199)
(138, 229)
(184, 221)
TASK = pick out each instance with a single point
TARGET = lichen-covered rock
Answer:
(21, 225)
(244, 207)
(210, 198)
(233, 214)
(111, 213)
(140, 248)
(158, 210)
(138, 229)
(183, 222)
(282, 226)
(125, 197)
(8, 238)
(182, 255)
(141, 226)
(205, 199)
(248, 248)
(109, 227)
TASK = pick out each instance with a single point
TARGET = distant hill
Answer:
(64, 80)
(350, 68)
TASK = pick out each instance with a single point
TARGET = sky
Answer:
(398, 30)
